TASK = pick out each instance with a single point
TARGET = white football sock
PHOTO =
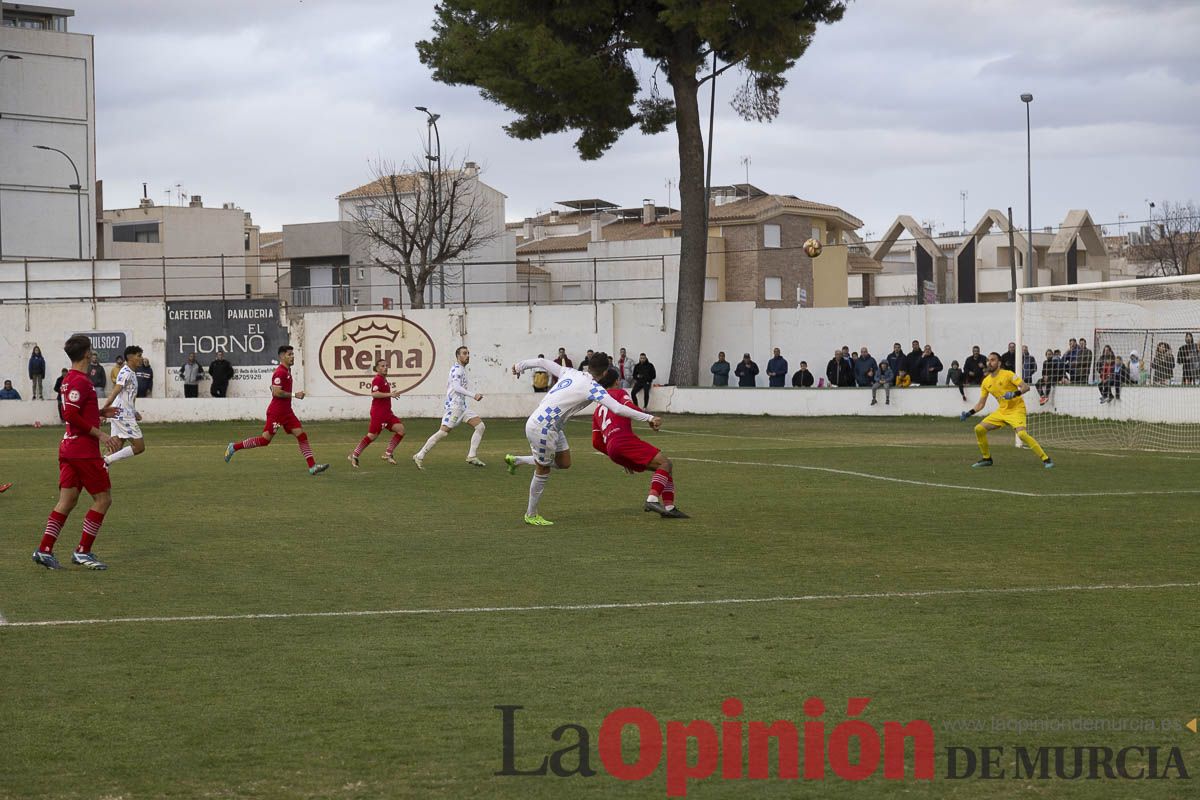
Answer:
(476, 437)
(536, 487)
(438, 435)
(120, 455)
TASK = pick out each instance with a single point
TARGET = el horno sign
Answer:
(349, 353)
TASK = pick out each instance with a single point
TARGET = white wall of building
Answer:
(46, 98)
(499, 336)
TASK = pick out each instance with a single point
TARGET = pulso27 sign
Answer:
(350, 350)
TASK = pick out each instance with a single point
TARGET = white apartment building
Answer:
(48, 130)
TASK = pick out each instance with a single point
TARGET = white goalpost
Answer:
(1135, 385)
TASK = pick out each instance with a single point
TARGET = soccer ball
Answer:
(812, 248)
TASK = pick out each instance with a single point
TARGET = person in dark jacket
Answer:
(95, 374)
(777, 369)
(221, 372)
(58, 393)
(928, 367)
(1110, 385)
(865, 368)
(8, 392)
(746, 371)
(1008, 359)
(643, 377)
(896, 359)
(1189, 361)
(1051, 370)
(912, 361)
(839, 371)
(975, 367)
(145, 376)
(1028, 364)
(37, 373)
(802, 378)
(720, 370)
(1082, 371)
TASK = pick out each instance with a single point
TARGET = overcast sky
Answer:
(280, 105)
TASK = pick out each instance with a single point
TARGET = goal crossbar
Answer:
(1127, 283)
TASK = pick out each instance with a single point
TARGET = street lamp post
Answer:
(430, 157)
(3, 58)
(1029, 265)
(78, 187)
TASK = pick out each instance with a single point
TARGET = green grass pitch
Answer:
(875, 524)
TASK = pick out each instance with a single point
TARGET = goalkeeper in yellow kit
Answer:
(1007, 388)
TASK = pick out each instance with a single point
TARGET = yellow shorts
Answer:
(1013, 419)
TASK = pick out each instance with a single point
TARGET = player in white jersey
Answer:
(574, 391)
(124, 397)
(457, 410)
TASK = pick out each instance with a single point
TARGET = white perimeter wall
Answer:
(499, 336)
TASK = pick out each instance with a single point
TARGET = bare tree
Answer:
(418, 223)
(1174, 245)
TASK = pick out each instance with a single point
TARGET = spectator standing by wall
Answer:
(912, 361)
(720, 370)
(95, 374)
(1083, 364)
(37, 373)
(145, 376)
(895, 359)
(1189, 360)
(1008, 359)
(929, 367)
(624, 367)
(777, 370)
(1028, 364)
(746, 372)
(865, 367)
(643, 377)
(58, 393)
(221, 372)
(954, 377)
(192, 372)
(803, 378)
(839, 371)
(974, 367)
(116, 369)
(563, 361)
(8, 392)
(1051, 371)
(1135, 368)
(1162, 366)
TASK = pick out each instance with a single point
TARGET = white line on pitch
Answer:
(803, 598)
(867, 475)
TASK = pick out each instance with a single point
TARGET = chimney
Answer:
(195, 202)
(539, 233)
(649, 212)
(596, 236)
(553, 217)
(145, 202)
(527, 231)
(471, 168)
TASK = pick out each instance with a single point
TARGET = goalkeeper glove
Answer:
(963, 416)
(1011, 395)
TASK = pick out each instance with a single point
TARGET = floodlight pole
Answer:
(1027, 99)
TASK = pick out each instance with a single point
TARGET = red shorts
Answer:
(285, 419)
(378, 423)
(631, 452)
(90, 474)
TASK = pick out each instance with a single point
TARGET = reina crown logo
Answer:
(350, 350)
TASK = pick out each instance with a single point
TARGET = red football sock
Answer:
(91, 527)
(363, 445)
(53, 527)
(394, 443)
(253, 441)
(302, 440)
(659, 482)
(668, 495)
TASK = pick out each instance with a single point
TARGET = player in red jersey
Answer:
(613, 436)
(280, 414)
(381, 416)
(80, 465)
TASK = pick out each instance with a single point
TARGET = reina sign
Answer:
(349, 352)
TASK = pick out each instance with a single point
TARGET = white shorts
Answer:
(545, 441)
(456, 414)
(126, 428)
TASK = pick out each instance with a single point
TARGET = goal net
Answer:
(1132, 379)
